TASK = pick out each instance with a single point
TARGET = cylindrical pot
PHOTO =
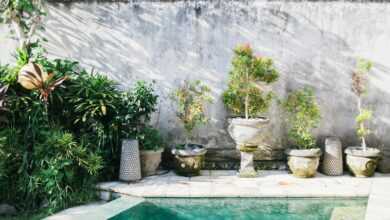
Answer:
(303, 163)
(130, 167)
(332, 164)
(362, 163)
(247, 132)
(150, 161)
(189, 161)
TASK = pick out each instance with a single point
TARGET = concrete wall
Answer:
(312, 43)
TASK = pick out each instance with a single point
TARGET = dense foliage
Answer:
(150, 139)
(303, 115)
(246, 93)
(359, 86)
(55, 147)
(191, 99)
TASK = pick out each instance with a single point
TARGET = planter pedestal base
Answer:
(247, 169)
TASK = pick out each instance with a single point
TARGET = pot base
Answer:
(247, 173)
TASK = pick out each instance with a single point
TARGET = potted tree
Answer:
(246, 98)
(191, 99)
(151, 146)
(303, 114)
(361, 160)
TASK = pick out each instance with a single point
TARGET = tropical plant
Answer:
(150, 139)
(32, 77)
(94, 97)
(246, 93)
(59, 166)
(25, 17)
(359, 87)
(303, 114)
(191, 99)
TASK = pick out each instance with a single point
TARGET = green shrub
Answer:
(137, 106)
(303, 114)
(150, 139)
(246, 95)
(191, 99)
(60, 156)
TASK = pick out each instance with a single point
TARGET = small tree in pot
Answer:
(361, 160)
(246, 98)
(303, 115)
(191, 99)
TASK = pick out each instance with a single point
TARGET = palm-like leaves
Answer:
(32, 77)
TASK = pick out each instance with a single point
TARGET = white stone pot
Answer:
(247, 133)
(150, 161)
(303, 163)
(362, 163)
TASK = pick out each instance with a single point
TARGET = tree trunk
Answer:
(361, 125)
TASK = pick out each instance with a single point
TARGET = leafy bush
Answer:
(59, 156)
(246, 94)
(150, 139)
(191, 100)
(303, 115)
(137, 107)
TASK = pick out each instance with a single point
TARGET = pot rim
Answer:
(313, 152)
(357, 151)
(240, 118)
(160, 150)
(190, 152)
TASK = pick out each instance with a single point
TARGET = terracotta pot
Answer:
(247, 132)
(303, 163)
(150, 161)
(362, 163)
(189, 161)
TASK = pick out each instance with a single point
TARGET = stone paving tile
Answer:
(378, 207)
(227, 184)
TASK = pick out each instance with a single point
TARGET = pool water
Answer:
(246, 209)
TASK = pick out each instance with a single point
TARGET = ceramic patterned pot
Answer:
(150, 161)
(362, 163)
(189, 161)
(303, 163)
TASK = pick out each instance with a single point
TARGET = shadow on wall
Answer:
(312, 43)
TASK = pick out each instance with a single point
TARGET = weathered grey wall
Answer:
(312, 43)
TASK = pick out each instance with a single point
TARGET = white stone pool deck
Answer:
(268, 184)
(227, 184)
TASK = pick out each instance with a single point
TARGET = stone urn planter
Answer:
(248, 135)
(150, 161)
(189, 160)
(303, 163)
(362, 163)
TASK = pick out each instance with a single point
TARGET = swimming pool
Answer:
(246, 209)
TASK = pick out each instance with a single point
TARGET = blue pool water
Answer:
(246, 209)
